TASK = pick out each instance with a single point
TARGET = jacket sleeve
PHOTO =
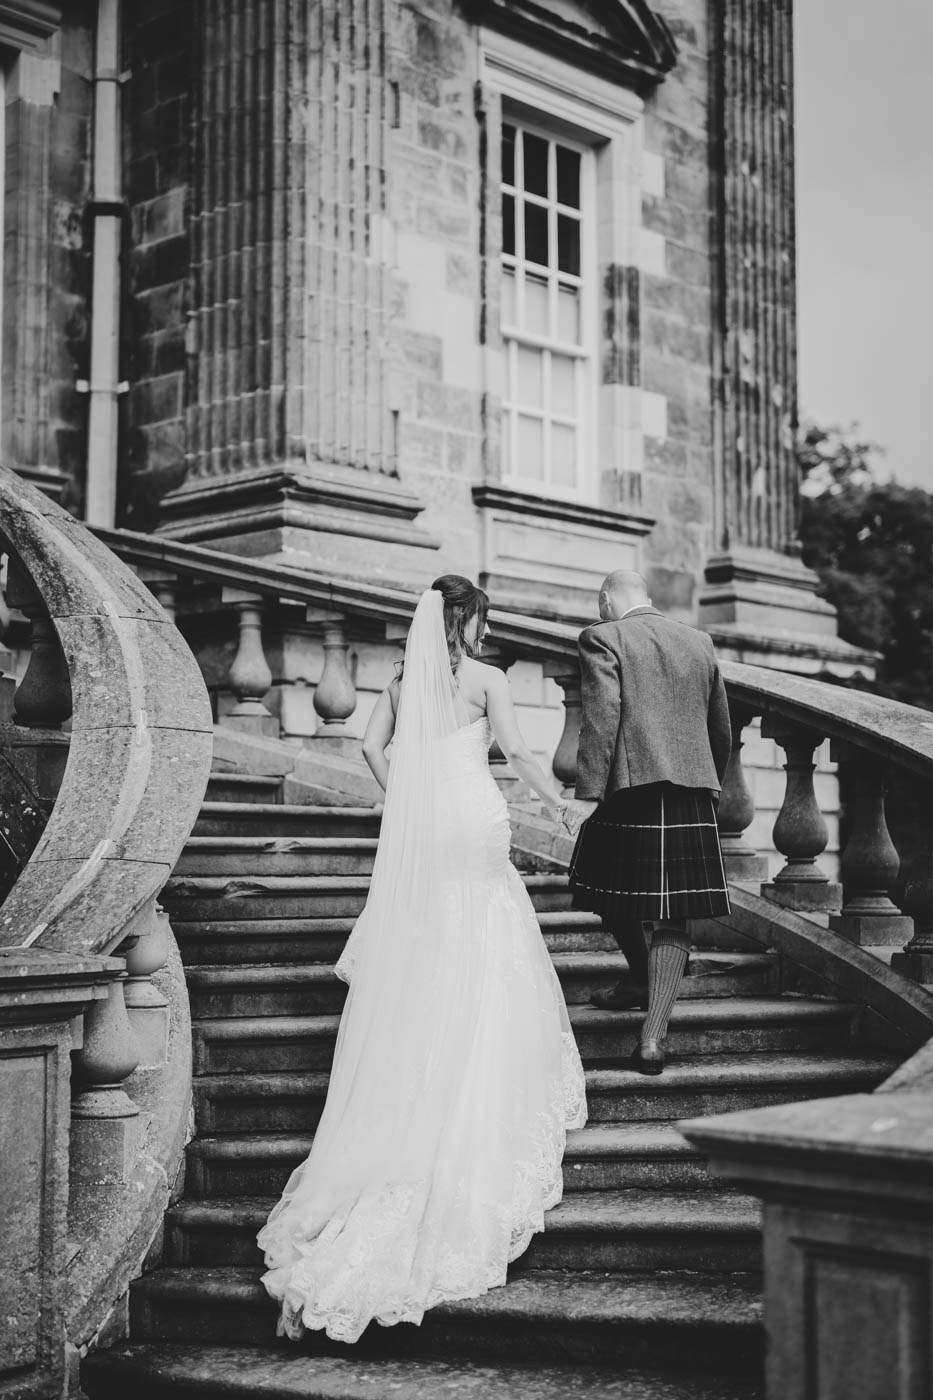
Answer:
(718, 724)
(601, 693)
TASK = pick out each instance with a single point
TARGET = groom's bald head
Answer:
(621, 590)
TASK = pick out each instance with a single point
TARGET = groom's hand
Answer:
(576, 813)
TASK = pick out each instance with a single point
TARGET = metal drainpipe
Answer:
(108, 210)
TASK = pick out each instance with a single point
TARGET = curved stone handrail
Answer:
(896, 732)
(141, 738)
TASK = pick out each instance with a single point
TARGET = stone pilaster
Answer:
(288, 424)
(754, 579)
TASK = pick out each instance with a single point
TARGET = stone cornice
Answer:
(632, 44)
(26, 24)
(493, 497)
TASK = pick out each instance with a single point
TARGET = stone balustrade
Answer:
(105, 749)
(794, 714)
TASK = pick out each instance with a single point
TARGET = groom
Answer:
(654, 745)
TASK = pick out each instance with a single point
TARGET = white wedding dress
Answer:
(456, 1075)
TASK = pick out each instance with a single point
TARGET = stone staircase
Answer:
(645, 1282)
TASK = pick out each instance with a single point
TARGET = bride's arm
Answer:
(501, 713)
(377, 738)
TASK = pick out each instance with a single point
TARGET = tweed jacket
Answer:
(654, 707)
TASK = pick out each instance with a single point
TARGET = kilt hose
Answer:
(651, 854)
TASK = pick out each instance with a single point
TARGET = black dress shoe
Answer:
(648, 1058)
(626, 996)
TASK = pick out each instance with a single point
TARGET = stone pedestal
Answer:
(804, 896)
(847, 1188)
(760, 591)
(41, 994)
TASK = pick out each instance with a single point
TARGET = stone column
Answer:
(287, 418)
(754, 576)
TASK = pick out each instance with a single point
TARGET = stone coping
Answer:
(141, 738)
(871, 1127)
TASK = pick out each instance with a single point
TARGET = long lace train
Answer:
(455, 1080)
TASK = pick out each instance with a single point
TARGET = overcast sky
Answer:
(865, 222)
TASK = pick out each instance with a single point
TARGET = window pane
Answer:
(568, 244)
(537, 318)
(508, 296)
(568, 177)
(508, 155)
(563, 386)
(530, 448)
(534, 151)
(530, 365)
(536, 241)
(508, 224)
(568, 315)
(563, 455)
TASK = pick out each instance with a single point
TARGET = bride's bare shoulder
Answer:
(482, 673)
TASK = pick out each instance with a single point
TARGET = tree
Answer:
(871, 543)
(832, 458)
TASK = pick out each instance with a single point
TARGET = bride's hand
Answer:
(574, 814)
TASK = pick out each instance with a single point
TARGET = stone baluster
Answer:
(107, 1057)
(916, 961)
(736, 810)
(335, 693)
(164, 588)
(146, 951)
(564, 762)
(41, 702)
(800, 833)
(869, 863)
(43, 697)
(107, 1126)
(249, 677)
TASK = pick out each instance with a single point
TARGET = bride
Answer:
(456, 1075)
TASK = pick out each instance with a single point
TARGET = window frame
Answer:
(585, 352)
(538, 90)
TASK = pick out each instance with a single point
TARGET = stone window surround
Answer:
(566, 100)
(585, 351)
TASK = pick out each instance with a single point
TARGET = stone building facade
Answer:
(389, 288)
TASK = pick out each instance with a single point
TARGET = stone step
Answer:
(277, 855)
(706, 1232)
(159, 1370)
(714, 1026)
(689, 1322)
(293, 1101)
(245, 789)
(191, 897)
(288, 989)
(238, 818)
(599, 1157)
(223, 941)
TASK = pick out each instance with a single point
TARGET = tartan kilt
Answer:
(651, 853)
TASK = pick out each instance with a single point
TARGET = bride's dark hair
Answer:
(462, 602)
